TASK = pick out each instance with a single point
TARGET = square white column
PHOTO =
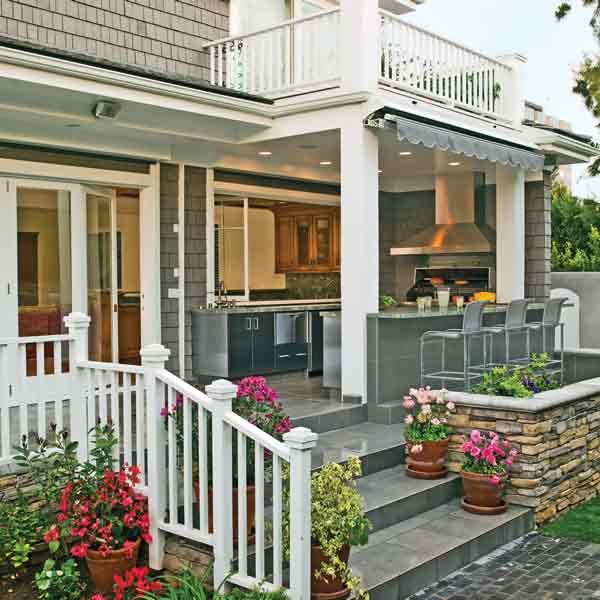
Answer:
(359, 248)
(510, 233)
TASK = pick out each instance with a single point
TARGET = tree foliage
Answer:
(575, 232)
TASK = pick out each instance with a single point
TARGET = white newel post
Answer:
(301, 441)
(78, 325)
(510, 233)
(512, 96)
(222, 392)
(359, 248)
(154, 358)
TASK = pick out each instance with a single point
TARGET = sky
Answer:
(527, 27)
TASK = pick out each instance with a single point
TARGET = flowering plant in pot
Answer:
(487, 459)
(427, 433)
(338, 522)
(258, 404)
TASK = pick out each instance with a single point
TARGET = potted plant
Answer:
(427, 433)
(104, 522)
(257, 403)
(338, 522)
(485, 471)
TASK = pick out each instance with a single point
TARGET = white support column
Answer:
(359, 248)
(150, 259)
(510, 233)
(79, 257)
(181, 265)
(222, 392)
(512, 96)
(210, 236)
(301, 441)
(154, 358)
(359, 40)
(78, 325)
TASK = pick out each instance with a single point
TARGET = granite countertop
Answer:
(273, 308)
(331, 314)
(410, 311)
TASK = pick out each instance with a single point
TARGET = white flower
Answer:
(426, 409)
(450, 405)
(409, 419)
(435, 421)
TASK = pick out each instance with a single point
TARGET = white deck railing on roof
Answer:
(416, 60)
(294, 56)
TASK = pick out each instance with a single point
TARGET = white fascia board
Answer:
(400, 7)
(278, 194)
(568, 150)
(65, 74)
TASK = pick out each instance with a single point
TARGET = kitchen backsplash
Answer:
(303, 286)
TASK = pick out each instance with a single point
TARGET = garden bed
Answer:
(557, 435)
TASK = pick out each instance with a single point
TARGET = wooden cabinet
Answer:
(307, 239)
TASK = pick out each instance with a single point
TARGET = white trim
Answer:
(114, 277)
(246, 252)
(181, 267)
(268, 193)
(210, 236)
(9, 279)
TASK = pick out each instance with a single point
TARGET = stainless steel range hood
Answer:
(456, 230)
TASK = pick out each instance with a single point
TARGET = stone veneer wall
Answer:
(181, 553)
(162, 36)
(538, 238)
(195, 256)
(558, 466)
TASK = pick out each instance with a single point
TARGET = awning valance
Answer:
(432, 136)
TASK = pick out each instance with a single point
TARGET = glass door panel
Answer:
(100, 275)
(323, 229)
(304, 240)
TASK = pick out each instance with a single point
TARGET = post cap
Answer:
(301, 438)
(77, 320)
(155, 353)
(221, 389)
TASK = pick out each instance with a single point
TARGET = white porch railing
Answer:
(56, 383)
(292, 57)
(422, 62)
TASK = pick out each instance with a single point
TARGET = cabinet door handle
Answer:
(256, 323)
(302, 354)
(284, 355)
(248, 324)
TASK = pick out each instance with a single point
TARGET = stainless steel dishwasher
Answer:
(291, 341)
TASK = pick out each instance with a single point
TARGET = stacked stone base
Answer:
(184, 554)
(558, 466)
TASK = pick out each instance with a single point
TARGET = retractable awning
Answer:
(434, 136)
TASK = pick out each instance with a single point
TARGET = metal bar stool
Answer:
(471, 328)
(515, 322)
(551, 322)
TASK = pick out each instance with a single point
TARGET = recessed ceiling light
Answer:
(405, 153)
(381, 170)
(325, 163)
(265, 153)
(454, 164)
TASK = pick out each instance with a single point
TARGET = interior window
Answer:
(250, 15)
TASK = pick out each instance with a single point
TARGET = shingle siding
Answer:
(165, 36)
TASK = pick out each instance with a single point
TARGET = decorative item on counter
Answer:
(443, 297)
(484, 296)
(427, 433)
(485, 472)
(460, 302)
(387, 302)
(421, 302)
(428, 302)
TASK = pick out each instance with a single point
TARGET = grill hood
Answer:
(456, 230)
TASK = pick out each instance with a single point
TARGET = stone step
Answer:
(387, 413)
(414, 553)
(391, 496)
(330, 419)
(379, 447)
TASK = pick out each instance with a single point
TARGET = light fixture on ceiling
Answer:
(454, 164)
(106, 109)
(265, 153)
(380, 171)
(325, 163)
(405, 153)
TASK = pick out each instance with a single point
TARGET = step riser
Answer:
(411, 506)
(330, 421)
(429, 572)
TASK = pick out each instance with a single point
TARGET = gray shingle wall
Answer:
(195, 256)
(162, 35)
(538, 238)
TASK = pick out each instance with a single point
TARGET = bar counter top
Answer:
(241, 309)
(410, 311)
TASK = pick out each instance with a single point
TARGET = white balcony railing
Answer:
(292, 57)
(422, 62)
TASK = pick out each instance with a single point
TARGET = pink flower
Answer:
(435, 421)
(474, 451)
(509, 462)
(513, 453)
(164, 411)
(450, 405)
(476, 436)
(408, 403)
(416, 449)
(495, 480)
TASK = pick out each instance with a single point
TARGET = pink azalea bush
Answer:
(487, 454)
(427, 417)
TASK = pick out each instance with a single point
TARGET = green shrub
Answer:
(63, 583)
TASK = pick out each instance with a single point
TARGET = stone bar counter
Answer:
(393, 351)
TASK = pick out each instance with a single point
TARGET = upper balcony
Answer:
(306, 55)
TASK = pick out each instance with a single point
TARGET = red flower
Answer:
(79, 550)
(52, 535)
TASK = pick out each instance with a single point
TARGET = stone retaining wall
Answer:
(181, 553)
(557, 435)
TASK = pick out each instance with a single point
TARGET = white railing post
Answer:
(222, 392)
(78, 325)
(512, 93)
(301, 441)
(154, 358)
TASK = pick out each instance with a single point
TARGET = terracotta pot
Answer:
(482, 497)
(250, 510)
(103, 568)
(322, 589)
(430, 463)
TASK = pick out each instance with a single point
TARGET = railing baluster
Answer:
(127, 427)
(187, 463)
(242, 505)
(220, 65)
(115, 413)
(259, 482)
(102, 397)
(140, 429)
(212, 65)
(172, 465)
(277, 522)
(203, 469)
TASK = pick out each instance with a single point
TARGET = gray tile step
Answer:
(378, 446)
(387, 413)
(391, 496)
(404, 558)
(330, 419)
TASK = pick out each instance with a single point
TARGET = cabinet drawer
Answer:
(291, 357)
